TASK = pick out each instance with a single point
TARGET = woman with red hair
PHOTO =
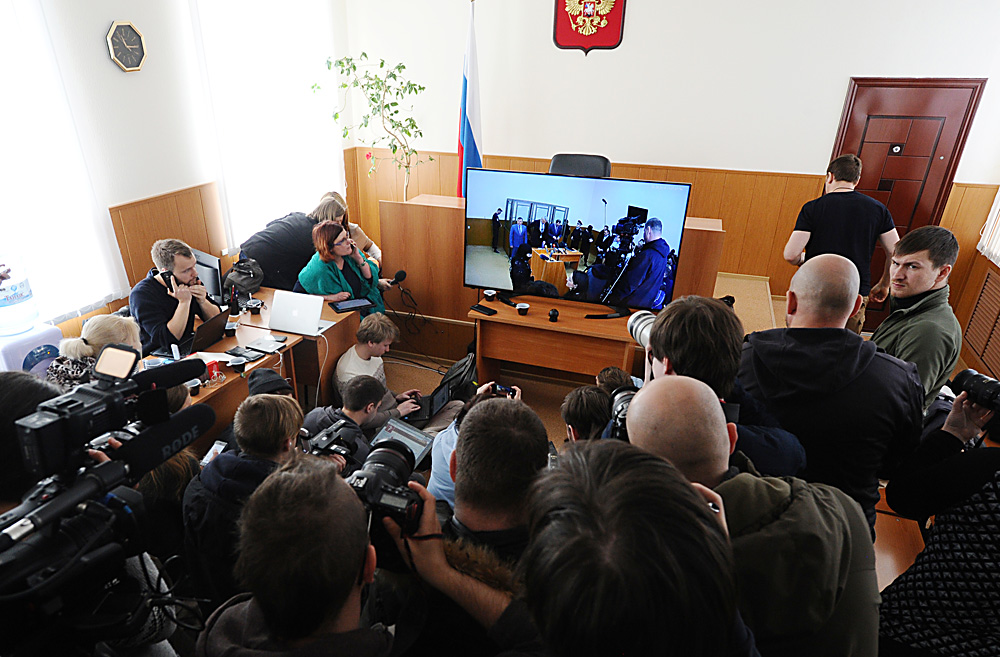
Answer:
(339, 270)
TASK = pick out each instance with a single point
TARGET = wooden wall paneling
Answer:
(707, 192)
(211, 210)
(627, 171)
(974, 209)
(964, 302)
(734, 210)
(762, 225)
(449, 174)
(428, 176)
(353, 191)
(798, 191)
(118, 223)
(442, 338)
(194, 224)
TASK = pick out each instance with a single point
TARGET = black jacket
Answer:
(282, 249)
(212, 504)
(643, 276)
(353, 436)
(856, 410)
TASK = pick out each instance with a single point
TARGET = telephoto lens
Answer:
(639, 326)
(981, 389)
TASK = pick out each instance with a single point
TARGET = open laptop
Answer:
(420, 443)
(292, 312)
(204, 337)
(430, 404)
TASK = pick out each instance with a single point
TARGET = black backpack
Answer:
(246, 276)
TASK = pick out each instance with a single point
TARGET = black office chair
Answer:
(578, 164)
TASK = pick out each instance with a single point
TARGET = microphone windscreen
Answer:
(400, 276)
(157, 443)
(168, 376)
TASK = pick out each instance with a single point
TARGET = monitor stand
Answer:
(614, 314)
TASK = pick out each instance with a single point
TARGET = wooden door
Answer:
(909, 134)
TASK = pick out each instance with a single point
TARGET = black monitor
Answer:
(209, 270)
(596, 226)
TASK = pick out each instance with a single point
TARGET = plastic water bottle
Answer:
(18, 311)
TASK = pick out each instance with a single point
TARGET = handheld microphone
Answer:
(157, 443)
(168, 376)
(398, 278)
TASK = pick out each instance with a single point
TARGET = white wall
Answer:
(725, 84)
(142, 133)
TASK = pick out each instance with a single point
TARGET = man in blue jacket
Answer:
(640, 285)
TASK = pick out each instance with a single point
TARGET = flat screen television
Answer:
(599, 240)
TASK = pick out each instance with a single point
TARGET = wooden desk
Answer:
(315, 357)
(225, 397)
(572, 344)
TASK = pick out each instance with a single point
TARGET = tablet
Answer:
(351, 304)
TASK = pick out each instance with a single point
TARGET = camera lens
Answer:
(639, 326)
(392, 460)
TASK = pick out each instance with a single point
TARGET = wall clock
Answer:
(126, 46)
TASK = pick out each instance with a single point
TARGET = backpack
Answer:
(246, 276)
(461, 378)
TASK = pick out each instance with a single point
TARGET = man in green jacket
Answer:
(805, 565)
(922, 328)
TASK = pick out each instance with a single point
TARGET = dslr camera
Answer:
(380, 483)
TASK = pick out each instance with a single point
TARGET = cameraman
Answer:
(305, 565)
(20, 394)
(362, 398)
(267, 431)
(644, 274)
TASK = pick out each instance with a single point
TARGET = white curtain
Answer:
(279, 147)
(50, 221)
(989, 240)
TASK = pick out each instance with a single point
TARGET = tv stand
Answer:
(571, 344)
(615, 313)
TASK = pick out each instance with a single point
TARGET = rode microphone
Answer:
(157, 443)
(398, 278)
(168, 376)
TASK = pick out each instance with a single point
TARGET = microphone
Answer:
(93, 482)
(398, 278)
(168, 376)
(157, 443)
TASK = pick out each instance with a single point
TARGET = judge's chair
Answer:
(578, 164)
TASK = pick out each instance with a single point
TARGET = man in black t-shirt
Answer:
(847, 223)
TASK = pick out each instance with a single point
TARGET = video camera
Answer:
(982, 390)
(63, 548)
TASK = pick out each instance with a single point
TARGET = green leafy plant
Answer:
(384, 88)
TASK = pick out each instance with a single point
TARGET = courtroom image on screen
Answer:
(600, 240)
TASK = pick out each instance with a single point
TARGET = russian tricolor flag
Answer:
(470, 129)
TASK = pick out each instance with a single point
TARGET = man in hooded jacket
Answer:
(855, 409)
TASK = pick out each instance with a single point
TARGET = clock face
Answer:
(126, 45)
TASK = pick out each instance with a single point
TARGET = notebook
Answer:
(292, 312)
(430, 404)
(419, 442)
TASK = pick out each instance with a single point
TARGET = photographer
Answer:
(304, 557)
(362, 398)
(586, 412)
(501, 448)
(946, 602)
(267, 431)
(640, 285)
(166, 301)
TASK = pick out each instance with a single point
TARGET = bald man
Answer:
(805, 565)
(856, 410)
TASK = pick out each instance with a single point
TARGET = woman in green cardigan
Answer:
(339, 270)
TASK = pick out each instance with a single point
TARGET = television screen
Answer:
(601, 240)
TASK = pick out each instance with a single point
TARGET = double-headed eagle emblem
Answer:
(587, 16)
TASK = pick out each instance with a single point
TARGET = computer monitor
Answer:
(209, 270)
(596, 226)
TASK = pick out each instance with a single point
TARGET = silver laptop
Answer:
(292, 312)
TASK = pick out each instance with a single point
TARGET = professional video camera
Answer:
(337, 439)
(381, 484)
(62, 550)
